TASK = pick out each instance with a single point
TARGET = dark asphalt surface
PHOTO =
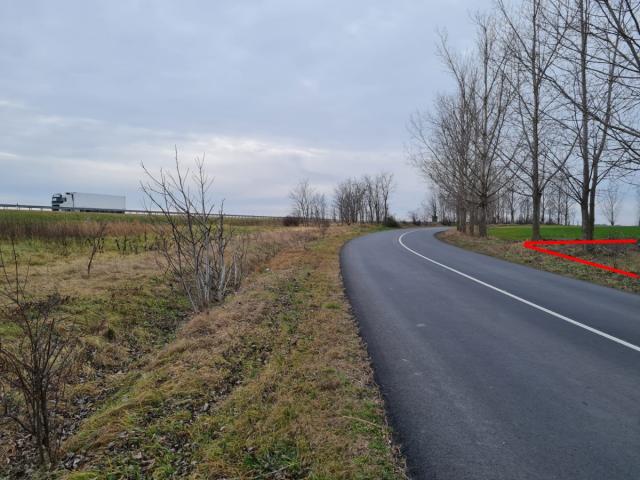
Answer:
(479, 385)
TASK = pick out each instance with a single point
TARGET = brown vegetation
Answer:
(128, 309)
(36, 366)
(274, 383)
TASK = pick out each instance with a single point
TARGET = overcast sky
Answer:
(270, 91)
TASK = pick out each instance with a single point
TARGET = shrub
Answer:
(36, 367)
(391, 222)
(291, 221)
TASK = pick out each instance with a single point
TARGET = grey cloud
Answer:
(270, 90)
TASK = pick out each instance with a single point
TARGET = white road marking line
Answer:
(520, 299)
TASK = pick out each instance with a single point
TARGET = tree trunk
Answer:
(462, 220)
(585, 200)
(482, 221)
(473, 220)
(535, 227)
(587, 227)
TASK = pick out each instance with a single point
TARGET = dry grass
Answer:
(274, 384)
(70, 226)
(625, 258)
(65, 226)
(126, 310)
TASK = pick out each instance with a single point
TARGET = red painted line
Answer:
(533, 245)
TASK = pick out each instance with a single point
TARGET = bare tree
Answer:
(511, 195)
(533, 50)
(309, 205)
(559, 201)
(610, 206)
(349, 201)
(363, 200)
(441, 146)
(196, 245)
(318, 208)
(385, 186)
(638, 205)
(461, 145)
(585, 76)
(492, 102)
(302, 198)
(37, 364)
(96, 243)
(373, 209)
(616, 27)
(430, 206)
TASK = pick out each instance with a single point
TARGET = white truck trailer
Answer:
(88, 202)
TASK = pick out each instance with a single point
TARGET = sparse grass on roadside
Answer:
(274, 384)
(506, 243)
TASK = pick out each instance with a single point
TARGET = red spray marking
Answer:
(533, 245)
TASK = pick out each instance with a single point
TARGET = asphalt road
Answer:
(526, 375)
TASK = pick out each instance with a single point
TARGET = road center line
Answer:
(520, 299)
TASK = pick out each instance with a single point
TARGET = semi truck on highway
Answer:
(87, 202)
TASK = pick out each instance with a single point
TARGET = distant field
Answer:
(23, 224)
(40, 216)
(48, 216)
(553, 232)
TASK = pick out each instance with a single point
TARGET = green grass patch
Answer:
(561, 232)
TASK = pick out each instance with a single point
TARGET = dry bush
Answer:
(96, 243)
(291, 221)
(36, 366)
(195, 241)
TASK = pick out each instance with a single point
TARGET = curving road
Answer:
(492, 370)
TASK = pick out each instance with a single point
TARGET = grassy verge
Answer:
(124, 312)
(506, 243)
(274, 384)
(560, 232)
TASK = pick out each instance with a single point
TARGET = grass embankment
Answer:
(274, 384)
(123, 312)
(506, 242)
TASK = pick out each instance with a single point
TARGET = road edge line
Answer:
(520, 299)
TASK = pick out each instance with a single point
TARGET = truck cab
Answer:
(59, 202)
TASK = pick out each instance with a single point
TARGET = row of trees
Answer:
(544, 111)
(309, 206)
(354, 200)
(509, 206)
